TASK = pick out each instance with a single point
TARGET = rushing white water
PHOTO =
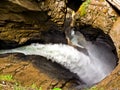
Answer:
(91, 68)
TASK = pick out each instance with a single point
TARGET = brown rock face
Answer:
(22, 21)
(113, 80)
(98, 14)
(115, 34)
(29, 70)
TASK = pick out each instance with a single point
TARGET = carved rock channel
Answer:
(26, 21)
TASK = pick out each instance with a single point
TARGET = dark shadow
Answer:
(74, 4)
(7, 44)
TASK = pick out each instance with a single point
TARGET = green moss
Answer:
(83, 7)
(18, 86)
(32, 87)
(57, 89)
(95, 88)
(35, 87)
(6, 77)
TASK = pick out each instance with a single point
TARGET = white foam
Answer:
(88, 67)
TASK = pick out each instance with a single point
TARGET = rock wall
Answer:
(23, 20)
(102, 15)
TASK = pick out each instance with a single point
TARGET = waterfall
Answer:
(91, 68)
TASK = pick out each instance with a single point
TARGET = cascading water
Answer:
(91, 68)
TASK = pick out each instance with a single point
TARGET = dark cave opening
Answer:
(74, 5)
(97, 35)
